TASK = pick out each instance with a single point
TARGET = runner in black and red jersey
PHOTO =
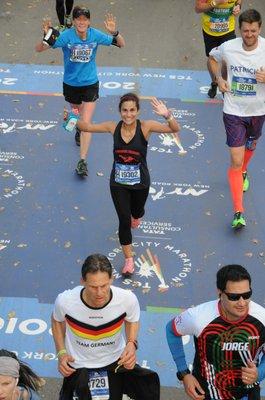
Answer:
(229, 336)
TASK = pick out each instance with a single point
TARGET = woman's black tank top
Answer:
(130, 167)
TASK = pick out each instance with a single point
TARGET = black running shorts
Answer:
(211, 42)
(79, 94)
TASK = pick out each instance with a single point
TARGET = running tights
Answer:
(63, 7)
(128, 202)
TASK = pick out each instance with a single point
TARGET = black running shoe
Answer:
(213, 90)
(77, 137)
(81, 168)
(67, 21)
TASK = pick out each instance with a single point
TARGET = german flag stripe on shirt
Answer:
(91, 332)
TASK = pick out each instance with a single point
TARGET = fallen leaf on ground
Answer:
(249, 254)
(11, 314)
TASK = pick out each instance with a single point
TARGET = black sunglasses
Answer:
(237, 296)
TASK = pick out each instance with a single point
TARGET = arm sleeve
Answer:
(133, 308)
(58, 311)
(176, 347)
(261, 369)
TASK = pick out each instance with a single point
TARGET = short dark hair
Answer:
(96, 263)
(130, 97)
(250, 16)
(81, 10)
(232, 272)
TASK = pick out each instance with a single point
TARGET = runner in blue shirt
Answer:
(80, 83)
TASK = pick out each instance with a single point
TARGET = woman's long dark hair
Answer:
(27, 377)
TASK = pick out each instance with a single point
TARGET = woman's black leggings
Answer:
(62, 11)
(128, 202)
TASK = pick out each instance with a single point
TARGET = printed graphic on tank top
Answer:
(220, 20)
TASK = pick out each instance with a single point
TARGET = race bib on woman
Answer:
(81, 53)
(127, 174)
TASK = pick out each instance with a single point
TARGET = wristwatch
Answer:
(181, 374)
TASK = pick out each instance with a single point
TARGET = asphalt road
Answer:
(158, 34)
(162, 34)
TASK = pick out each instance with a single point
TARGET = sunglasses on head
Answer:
(81, 11)
(237, 296)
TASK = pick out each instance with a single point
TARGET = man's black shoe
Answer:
(213, 90)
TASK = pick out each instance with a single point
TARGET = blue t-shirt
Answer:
(80, 55)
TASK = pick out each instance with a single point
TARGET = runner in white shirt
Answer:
(244, 101)
(87, 324)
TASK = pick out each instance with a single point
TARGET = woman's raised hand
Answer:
(160, 108)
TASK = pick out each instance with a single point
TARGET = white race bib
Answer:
(99, 385)
(81, 53)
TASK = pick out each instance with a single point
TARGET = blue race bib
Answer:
(127, 174)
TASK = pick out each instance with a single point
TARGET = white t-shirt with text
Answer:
(94, 335)
(247, 96)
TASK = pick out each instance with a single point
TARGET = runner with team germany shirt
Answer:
(244, 101)
(80, 83)
(87, 324)
(229, 337)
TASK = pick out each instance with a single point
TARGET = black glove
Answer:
(51, 36)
